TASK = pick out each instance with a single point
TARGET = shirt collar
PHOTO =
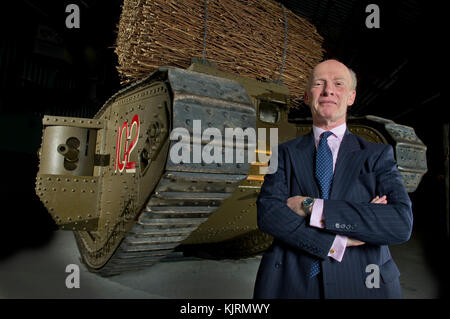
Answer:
(338, 132)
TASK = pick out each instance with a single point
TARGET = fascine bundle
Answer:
(245, 37)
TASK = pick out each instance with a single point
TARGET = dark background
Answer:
(46, 68)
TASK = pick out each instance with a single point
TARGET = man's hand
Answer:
(377, 200)
(353, 242)
(295, 203)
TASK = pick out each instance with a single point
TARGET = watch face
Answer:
(307, 202)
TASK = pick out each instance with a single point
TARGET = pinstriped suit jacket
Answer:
(363, 170)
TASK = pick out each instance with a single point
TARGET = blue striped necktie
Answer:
(324, 175)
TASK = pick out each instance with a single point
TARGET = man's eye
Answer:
(317, 84)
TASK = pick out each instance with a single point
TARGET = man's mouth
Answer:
(327, 102)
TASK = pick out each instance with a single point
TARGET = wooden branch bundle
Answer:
(245, 37)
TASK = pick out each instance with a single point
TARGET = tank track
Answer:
(169, 217)
(187, 193)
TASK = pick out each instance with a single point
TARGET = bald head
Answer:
(353, 80)
(330, 91)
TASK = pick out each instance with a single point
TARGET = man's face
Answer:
(330, 92)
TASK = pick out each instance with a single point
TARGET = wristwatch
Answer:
(307, 205)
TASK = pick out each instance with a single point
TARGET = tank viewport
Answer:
(70, 151)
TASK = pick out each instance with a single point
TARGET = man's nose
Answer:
(328, 89)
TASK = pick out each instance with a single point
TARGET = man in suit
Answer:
(334, 204)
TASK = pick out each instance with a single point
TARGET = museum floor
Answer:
(40, 273)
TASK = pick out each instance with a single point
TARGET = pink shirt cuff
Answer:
(317, 214)
(338, 248)
(340, 242)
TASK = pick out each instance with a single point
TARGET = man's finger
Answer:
(357, 242)
(379, 200)
(354, 242)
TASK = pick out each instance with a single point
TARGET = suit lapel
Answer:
(302, 159)
(348, 165)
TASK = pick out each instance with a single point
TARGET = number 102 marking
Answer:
(127, 137)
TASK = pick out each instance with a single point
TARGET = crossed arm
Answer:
(295, 204)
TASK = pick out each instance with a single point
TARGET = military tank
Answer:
(174, 163)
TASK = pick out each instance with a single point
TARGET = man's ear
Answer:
(305, 98)
(351, 98)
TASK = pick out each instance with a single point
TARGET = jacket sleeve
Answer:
(278, 220)
(379, 224)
